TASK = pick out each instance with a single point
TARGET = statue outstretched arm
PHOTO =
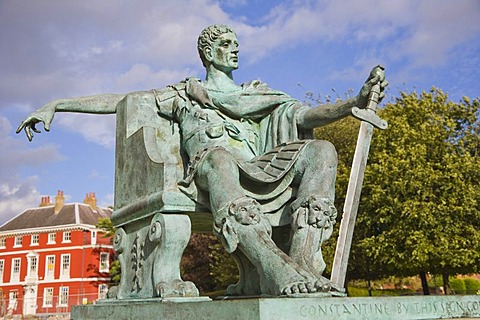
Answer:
(327, 113)
(98, 104)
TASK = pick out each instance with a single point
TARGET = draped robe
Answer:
(256, 124)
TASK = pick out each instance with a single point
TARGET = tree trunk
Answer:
(446, 283)
(369, 284)
(423, 277)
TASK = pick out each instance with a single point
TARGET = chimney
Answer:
(91, 200)
(45, 202)
(59, 201)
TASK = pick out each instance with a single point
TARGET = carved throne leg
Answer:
(171, 232)
(149, 251)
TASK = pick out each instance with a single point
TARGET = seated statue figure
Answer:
(251, 158)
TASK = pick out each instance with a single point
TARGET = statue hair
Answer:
(208, 36)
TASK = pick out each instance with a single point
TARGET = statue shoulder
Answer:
(261, 88)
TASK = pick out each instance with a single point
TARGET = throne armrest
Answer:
(148, 162)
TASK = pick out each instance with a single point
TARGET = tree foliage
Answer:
(420, 204)
(206, 263)
(420, 207)
(109, 232)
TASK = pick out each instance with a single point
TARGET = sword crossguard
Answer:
(369, 116)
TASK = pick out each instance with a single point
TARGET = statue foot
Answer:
(307, 287)
(319, 286)
(176, 288)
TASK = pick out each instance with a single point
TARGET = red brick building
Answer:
(53, 257)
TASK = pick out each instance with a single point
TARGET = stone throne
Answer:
(151, 214)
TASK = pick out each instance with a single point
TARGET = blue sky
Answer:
(59, 48)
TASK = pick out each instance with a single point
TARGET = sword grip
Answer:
(373, 98)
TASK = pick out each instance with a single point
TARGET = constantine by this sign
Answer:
(391, 308)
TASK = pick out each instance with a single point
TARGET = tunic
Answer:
(256, 124)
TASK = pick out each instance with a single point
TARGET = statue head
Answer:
(207, 38)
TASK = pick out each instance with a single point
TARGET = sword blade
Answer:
(354, 190)
(352, 201)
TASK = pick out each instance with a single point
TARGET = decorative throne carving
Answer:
(151, 214)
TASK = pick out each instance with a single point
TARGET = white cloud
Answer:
(142, 77)
(422, 31)
(99, 129)
(17, 195)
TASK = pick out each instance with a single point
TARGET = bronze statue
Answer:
(251, 159)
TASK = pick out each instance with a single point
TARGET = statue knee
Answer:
(322, 149)
(217, 160)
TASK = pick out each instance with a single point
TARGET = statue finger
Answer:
(384, 83)
(374, 81)
(21, 126)
(46, 125)
(35, 129)
(29, 133)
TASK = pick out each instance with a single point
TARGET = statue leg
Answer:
(243, 230)
(249, 282)
(313, 212)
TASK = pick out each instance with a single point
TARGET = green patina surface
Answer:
(381, 308)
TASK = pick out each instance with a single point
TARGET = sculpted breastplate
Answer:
(204, 128)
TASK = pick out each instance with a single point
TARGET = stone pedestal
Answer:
(381, 308)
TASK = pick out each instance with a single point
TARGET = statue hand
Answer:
(377, 76)
(44, 115)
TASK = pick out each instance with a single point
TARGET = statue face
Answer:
(224, 53)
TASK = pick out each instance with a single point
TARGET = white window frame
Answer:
(94, 237)
(32, 266)
(66, 262)
(3, 243)
(18, 242)
(67, 237)
(102, 291)
(104, 259)
(48, 297)
(52, 237)
(2, 269)
(35, 240)
(63, 297)
(49, 275)
(15, 276)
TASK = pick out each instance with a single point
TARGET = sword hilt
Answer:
(369, 113)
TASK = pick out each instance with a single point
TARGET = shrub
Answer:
(458, 286)
(472, 286)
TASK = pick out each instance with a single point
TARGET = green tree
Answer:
(420, 208)
(109, 232)
(206, 263)
(195, 265)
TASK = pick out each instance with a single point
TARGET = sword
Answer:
(369, 120)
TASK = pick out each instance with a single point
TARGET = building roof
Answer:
(69, 214)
